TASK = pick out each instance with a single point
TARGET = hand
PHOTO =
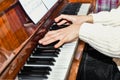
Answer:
(64, 35)
(75, 19)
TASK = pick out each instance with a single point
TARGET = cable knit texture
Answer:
(104, 34)
(111, 18)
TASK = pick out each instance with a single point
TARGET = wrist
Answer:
(89, 19)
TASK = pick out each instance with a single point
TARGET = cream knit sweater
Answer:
(104, 33)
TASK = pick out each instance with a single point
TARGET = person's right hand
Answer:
(64, 35)
(75, 19)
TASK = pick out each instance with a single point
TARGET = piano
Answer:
(21, 56)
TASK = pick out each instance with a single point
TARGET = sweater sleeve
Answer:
(107, 18)
(104, 39)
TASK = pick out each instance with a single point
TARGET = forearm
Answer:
(107, 18)
(101, 38)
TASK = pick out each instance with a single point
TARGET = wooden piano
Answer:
(19, 43)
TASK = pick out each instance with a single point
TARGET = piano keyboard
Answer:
(48, 63)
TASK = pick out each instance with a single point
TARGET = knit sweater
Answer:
(104, 33)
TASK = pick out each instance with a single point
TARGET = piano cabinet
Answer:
(19, 36)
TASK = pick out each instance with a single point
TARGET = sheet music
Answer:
(35, 9)
(49, 3)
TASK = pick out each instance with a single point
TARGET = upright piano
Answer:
(21, 56)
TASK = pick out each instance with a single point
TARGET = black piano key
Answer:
(40, 52)
(41, 61)
(32, 77)
(35, 70)
(69, 12)
(46, 51)
(47, 54)
(50, 45)
(29, 78)
(55, 26)
(71, 8)
(47, 48)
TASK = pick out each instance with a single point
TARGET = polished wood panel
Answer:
(76, 60)
(12, 34)
(5, 4)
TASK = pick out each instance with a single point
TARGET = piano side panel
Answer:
(12, 31)
(76, 61)
(12, 35)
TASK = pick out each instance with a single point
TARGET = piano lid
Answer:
(16, 28)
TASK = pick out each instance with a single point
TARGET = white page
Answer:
(49, 3)
(35, 9)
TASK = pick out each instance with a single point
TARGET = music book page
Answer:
(35, 9)
(49, 3)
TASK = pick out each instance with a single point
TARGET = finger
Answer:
(47, 36)
(52, 36)
(67, 23)
(43, 40)
(61, 17)
(57, 19)
(60, 43)
(51, 40)
(62, 22)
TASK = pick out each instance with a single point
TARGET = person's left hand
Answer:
(64, 35)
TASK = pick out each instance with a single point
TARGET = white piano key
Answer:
(84, 9)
